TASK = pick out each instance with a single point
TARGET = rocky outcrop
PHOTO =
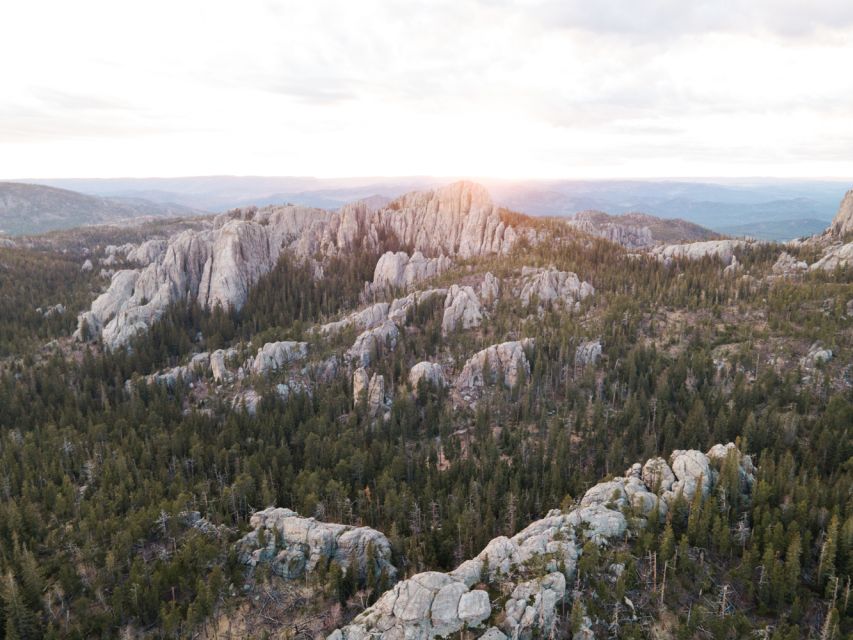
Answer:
(428, 372)
(275, 355)
(722, 249)
(639, 230)
(817, 355)
(692, 470)
(552, 287)
(218, 266)
(399, 271)
(373, 342)
(219, 364)
(375, 394)
(533, 567)
(842, 224)
(107, 305)
(614, 228)
(360, 381)
(587, 353)
(364, 319)
(285, 390)
(504, 362)
(459, 219)
(147, 252)
(400, 307)
(490, 289)
(249, 400)
(839, 255)
(461, 310)
(293, 545)
(788, 265)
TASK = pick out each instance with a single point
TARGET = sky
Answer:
(498, 88)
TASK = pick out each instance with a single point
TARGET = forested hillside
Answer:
(129, 476)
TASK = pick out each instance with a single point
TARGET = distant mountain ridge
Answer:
(640, 230)
(30, 208)
(715, 203)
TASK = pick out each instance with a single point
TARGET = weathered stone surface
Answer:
(552, 287)
(444, 613)
(148, 251)
(657, 474)
(631, 231)
(399, 271)
(285, 390)
(275, 355)
(87, 265)
(588, 352)
(692, 472)
(839, 255)
(400, 307)
(817, 355)
(606, 493)
(461, 310)
(360, 382)
(293, 545)
(842, 224)
(218, 364)
(250, 399)
(474, 607)
(506, 362)
(490, 289)
(364, 319)
(108, 304)
(373, 342)
(722, 249)
(429, 372)
(788, 265)
(376, 394)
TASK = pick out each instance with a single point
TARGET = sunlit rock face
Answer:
(842, 224)
(401, 271)
(505, 362)
(275, 355)
(836, 256)
(550, 287)
(218, 267)
(461, 310)
(722, 249)
(427, 372)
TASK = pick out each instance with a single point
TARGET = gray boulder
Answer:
(461, 310)
(293, 545)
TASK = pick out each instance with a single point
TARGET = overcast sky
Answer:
(502, 88)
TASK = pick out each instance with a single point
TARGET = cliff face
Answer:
(842, 224)
(218, 267)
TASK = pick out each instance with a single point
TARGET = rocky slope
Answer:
(515, 587)
(639, 230)
(217, 267)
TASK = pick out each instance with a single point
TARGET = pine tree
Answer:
(21, 623)
(826, 567)
(667, 543)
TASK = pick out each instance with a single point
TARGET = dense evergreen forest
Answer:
(98, 477)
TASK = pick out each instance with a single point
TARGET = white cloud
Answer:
(467, 87)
